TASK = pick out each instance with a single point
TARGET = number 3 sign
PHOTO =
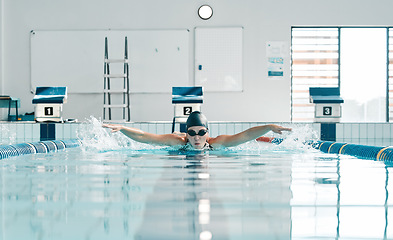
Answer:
(327, 111)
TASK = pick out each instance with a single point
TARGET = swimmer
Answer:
(197, 136)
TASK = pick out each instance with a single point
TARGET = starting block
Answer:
(327, 103)
(186, 100)
(49, 103)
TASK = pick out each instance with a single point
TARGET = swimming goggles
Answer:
(200, 133)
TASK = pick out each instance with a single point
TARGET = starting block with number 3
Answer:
(327, 104)
(186, 100)
(49, 104)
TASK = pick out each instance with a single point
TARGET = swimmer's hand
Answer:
(278, 129)
(114, 127)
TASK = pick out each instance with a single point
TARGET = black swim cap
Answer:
(196, 119)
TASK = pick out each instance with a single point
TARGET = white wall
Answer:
(1, 46)
(261, 99)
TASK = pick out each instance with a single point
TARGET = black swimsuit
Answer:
(188, 147)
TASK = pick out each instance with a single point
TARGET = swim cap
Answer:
(196, 119)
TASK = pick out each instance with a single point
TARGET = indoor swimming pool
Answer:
(254, 191)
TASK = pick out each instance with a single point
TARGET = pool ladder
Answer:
(119, 92)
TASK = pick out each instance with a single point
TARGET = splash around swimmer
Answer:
(197, 135)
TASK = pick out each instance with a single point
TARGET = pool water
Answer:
(255, 191)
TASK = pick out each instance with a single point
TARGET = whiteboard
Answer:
(158, 59)
(219, 58)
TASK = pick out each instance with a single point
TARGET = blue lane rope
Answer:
(356, 150)
(37, 147)
(360, 151)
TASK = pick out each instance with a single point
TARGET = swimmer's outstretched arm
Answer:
(247, 135)
(145, 137)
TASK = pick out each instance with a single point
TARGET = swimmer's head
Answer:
(197, 130)
(197, 119)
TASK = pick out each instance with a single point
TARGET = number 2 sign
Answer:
(187, 110)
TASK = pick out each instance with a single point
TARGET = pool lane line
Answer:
(356, 150)
(385, 153)
(37, 147)
(342, 147)
(361, 151)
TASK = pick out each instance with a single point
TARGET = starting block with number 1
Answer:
(49, 103)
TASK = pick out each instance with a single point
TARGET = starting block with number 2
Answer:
(186, 100)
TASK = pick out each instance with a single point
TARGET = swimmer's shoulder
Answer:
(171, 139)
(218, 142)
(180, 134)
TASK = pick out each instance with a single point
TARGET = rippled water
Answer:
(263, 192)
(114, 188)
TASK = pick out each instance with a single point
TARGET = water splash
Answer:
(96, 138)
(7, 136)
(299, 140)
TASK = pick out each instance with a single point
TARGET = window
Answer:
(390, 73)
(314, 64)
(354, 59)
(363, 74)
